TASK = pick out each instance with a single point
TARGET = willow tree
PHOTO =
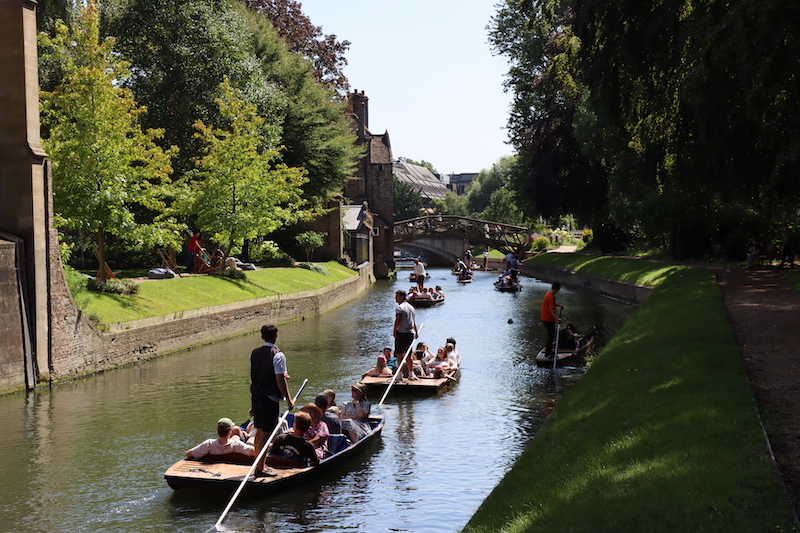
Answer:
(240, 190)
(106, 168)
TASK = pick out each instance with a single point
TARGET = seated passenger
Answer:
(440, 361)
(568, 339)
(229, 441)
(438, 292)
(332, 407)
(391, 359)
(380, 369)
(355, 414)
(331, 420)
(452, 354)
(292, 446)
(317, 434)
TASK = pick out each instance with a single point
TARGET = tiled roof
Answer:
(380, 150)
(420, 179)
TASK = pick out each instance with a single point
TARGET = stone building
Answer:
(373, 183)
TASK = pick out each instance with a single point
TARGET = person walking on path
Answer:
(405, 331)
(268, 388)
(550, 317)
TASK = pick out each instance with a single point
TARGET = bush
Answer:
(540, 244)
(268, 253)
(315, 268)
(230, 273)
(113, 285)
(587, 236)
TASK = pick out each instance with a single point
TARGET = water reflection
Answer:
(92, 452)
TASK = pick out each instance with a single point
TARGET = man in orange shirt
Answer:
(550, 316)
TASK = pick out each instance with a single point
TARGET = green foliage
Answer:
(320, 269)
(113, 285)
(107, 171)
(310, 240)
(587, 235)
(452, 204)
(540, 244)
(231, 273)
(269, 253)
(239, 191)
(407, 203)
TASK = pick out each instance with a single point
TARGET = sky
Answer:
(429, 74)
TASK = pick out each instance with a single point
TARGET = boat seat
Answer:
(336, 443)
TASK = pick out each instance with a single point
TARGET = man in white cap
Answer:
(229, 441)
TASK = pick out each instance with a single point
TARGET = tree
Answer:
(180, 51)
(407, 203)
(106, 169)
(325, 53)
(310, 240)
(238, 190)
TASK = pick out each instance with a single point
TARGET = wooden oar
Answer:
(257, 460)
(399, 369)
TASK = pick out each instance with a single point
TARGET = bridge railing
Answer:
(505, 237)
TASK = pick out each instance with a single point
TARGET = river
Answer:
(89, 455)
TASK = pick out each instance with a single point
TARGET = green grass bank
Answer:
(166, 296)
(661, 434)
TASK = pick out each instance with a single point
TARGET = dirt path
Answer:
(764, 312)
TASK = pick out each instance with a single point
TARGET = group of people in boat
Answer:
(423, 362)
(429, 293)
(306, 442)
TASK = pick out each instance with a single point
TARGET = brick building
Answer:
(373, 183)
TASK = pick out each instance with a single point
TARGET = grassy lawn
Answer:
(166, 296)
(661, 434)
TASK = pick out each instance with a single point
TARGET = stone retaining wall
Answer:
(565, 276)
(80, 349)
(12, 355)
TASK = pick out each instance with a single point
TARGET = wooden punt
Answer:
(217, 472)
(426, 302)
(421, 385)
(565, 357)
(510, 287)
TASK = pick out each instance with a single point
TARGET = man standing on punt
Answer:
(550, 317)
(268, 388)
(405, 331)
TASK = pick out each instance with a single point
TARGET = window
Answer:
(376, 231)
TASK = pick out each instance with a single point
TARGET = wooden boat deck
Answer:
(227, 472)
(419, 385)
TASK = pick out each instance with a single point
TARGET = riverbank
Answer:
(88, 347)
(662, 433)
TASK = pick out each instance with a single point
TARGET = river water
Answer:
(89, 455)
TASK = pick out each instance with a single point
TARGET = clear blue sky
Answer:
(429, 73)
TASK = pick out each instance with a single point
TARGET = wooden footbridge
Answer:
(503, 237)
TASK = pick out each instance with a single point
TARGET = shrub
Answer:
(540, 244)
(230, 273)
(268, 253)
(587, 236)
(315, 268)
(113, 285)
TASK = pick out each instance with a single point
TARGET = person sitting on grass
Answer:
(229, 441)
(292, 446)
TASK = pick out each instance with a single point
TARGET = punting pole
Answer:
(399, 369)
(257, 460)
(558, 330)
